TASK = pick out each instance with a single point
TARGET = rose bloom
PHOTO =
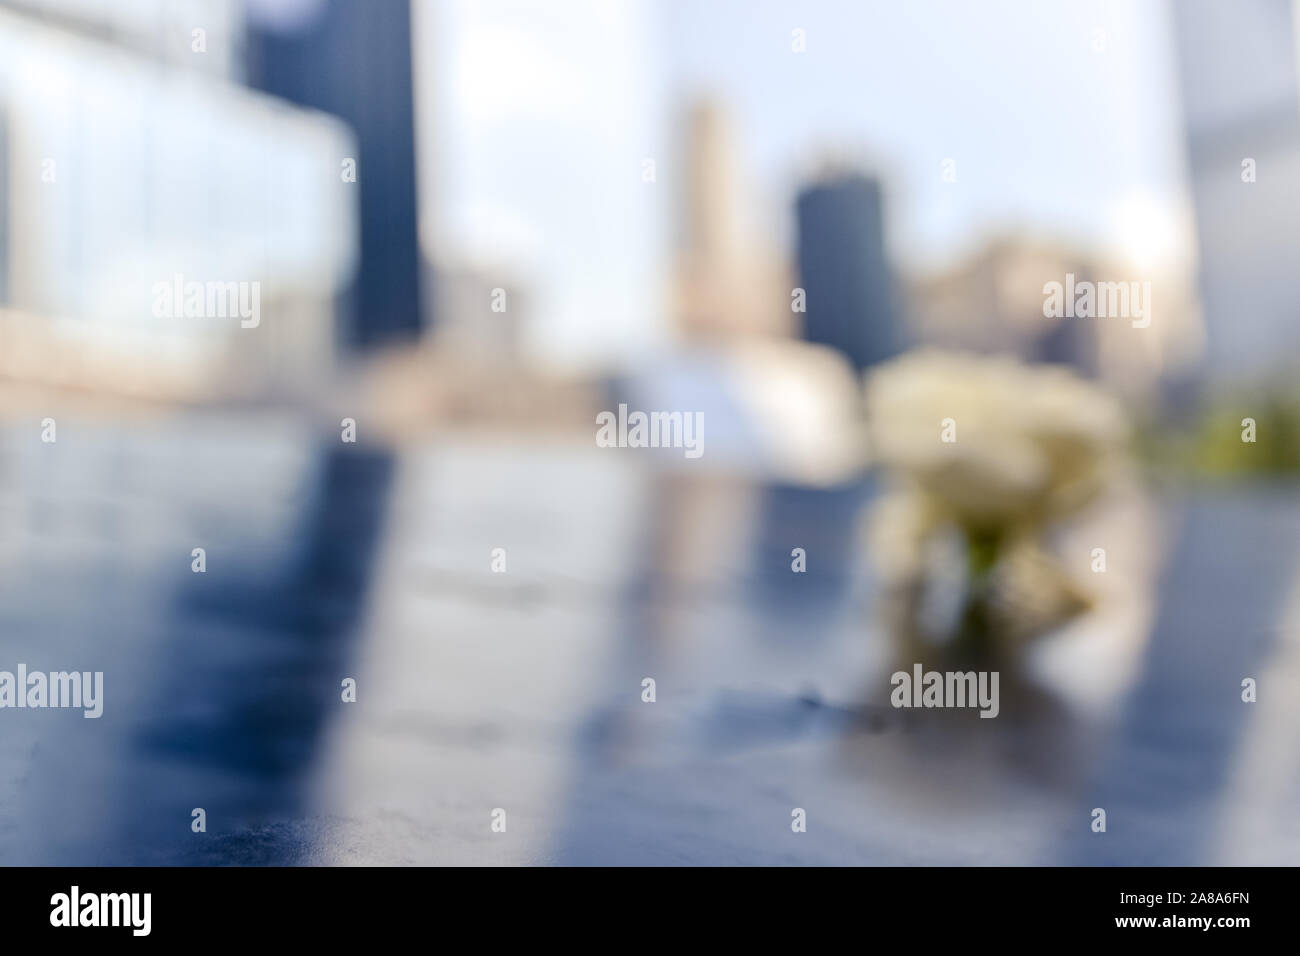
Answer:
(1033, 443)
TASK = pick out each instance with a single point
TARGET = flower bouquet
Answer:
(987, 456)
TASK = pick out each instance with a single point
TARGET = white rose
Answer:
(1032, 443)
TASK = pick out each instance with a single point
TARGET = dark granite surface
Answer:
(522, 690)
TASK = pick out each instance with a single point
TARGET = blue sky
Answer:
(543, 112)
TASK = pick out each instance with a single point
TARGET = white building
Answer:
(1239, 86)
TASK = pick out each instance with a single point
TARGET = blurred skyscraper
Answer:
(130, 154)
(712, 229)
(354, 60)
(1240, 101)
(730, 283)
(844, 270)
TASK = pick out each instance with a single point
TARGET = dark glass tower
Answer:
(354, 60)
(844, 271)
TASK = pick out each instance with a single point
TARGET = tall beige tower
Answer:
(712, 213)
(730, 282)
